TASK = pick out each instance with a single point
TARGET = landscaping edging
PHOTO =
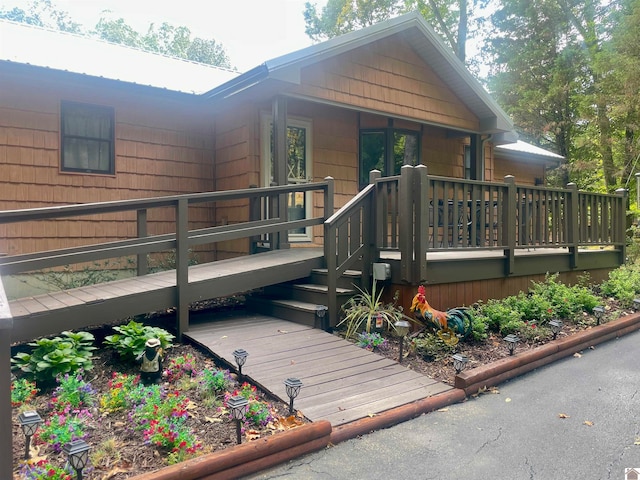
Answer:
(519, 363)
(252, 457)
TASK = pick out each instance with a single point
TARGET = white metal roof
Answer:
(524, 147)
(57, 50)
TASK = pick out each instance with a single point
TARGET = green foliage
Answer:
(22, 391)
(183, 365)
(623, 283)
(43, 469)
(130, 340)
(564, 301)
(431, 347)
(371, 341)
(479, 329)
(363, 311)
(72, 392)
(61, 428)
(214, 382)
(50, 357)
(117, 398)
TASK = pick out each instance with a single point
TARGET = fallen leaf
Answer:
(293, 362)
(577, 355)
(443, 410)
(283, 331)
(592, 347)
(588, 423)
(112, 473)
(637, 442)
(563, 415)
(507, 400)
(252, 434)
(286, 423)
(224, 336)
(371, 415)
(212, 420)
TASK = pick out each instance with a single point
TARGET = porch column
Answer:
(280, 177)
(6, 430)
(476, 150)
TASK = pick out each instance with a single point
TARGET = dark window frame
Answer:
(100, 111)
(388, 143)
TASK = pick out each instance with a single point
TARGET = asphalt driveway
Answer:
(577, 418)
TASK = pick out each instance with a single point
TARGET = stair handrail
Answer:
(343, 249)
(6, 427)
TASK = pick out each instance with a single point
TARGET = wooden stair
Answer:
(300, 301)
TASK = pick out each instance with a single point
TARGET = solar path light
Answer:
(292, 385)
(511, 340)
(239, 406)
(460, 362)
(599, 313)
(402, 329)
(29, 422)
(240, 356)
(555, 325)
(78, 455)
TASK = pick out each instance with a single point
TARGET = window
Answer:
(87, 138)
(468, 173)
(387, 150)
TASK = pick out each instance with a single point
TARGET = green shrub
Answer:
(564, 301)
(431, 347)
(623, 283)
(69, 353)
(130, 339)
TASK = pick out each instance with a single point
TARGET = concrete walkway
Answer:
(514, 433)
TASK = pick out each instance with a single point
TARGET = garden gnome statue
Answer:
(151, 362)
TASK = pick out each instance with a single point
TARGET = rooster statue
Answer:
(454, 323)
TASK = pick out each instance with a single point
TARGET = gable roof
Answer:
(416, 32)
(28, 45)
(41, 47)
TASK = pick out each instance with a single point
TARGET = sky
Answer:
(251, 31)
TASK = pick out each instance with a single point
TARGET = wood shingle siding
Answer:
(161, 148)
(376, 78)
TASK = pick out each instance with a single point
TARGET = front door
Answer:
(298, 169)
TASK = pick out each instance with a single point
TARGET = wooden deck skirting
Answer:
(341, 382)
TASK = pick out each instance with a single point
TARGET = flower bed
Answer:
(133, 428)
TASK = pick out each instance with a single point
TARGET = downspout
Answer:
(483, 159)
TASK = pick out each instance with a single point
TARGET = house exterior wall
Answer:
(525, 172)
(162, 147)
(387, 76)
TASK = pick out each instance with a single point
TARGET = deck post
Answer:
(328, 197)
(421, 228)
(142, 264)
(6, 430)
(406, 223)
(572, 215)
(374, 234)
(509, 223)
(182, 266)
(621, 223)
(279, 122)
(330, 247)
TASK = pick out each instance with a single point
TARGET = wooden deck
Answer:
(341, 382)
(110, 301)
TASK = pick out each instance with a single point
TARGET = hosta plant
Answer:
(69, 353)
(130, 339)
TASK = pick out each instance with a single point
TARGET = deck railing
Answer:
(416, 213)
(181, 240)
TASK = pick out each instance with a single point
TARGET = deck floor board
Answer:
(341, 382)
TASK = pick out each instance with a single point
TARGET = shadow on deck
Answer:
(341, 382)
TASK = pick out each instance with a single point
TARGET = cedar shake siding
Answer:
(162, 147)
